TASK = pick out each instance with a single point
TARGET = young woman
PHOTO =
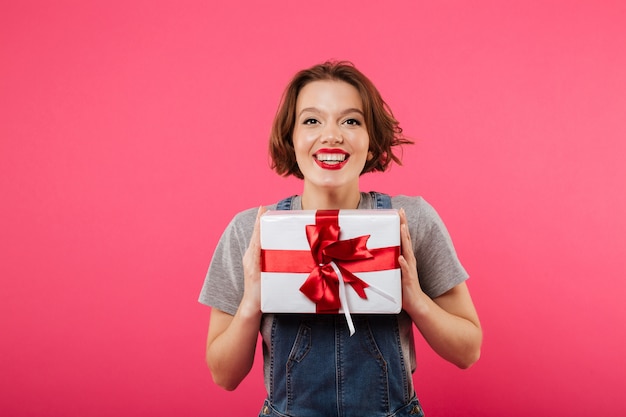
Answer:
(331, 127)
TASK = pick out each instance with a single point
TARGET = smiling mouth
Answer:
(331, 158)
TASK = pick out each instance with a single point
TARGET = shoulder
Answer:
(242, 224)
(407, 202)
(419, 212)
(244, 218)
(248, 216)
(414, 206)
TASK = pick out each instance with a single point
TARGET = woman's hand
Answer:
(412, 294)
(251, 302)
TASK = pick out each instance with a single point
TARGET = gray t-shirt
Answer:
(439, 269)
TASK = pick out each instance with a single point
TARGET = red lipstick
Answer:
(331, 158)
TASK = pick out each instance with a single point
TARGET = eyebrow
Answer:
(343, 113)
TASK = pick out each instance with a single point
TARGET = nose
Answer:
(332, 134)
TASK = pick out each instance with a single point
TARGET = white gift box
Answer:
(288, 261)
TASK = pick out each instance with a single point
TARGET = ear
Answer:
(370, 155)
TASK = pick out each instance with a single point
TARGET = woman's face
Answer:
(330, 137)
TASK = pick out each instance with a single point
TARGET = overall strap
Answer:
(285, 204)
(381, 201)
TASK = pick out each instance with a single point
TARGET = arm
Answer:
(449, 323)
(231, 340)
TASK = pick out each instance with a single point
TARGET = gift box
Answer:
(330, 262)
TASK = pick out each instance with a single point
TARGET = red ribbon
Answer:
(351, 255)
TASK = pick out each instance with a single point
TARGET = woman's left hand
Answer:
(411, 290)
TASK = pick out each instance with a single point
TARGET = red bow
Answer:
(322, 284)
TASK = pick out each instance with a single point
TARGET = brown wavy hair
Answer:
(383, 129)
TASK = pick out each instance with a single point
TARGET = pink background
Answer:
(131, 132)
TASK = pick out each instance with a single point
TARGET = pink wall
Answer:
(131, 132)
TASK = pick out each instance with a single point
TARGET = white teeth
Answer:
(331, 157)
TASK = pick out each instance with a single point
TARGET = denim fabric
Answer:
(318, 370)
(284, 204)
(412, 409)
(381, 201)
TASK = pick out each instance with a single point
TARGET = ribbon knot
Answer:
(323, 285)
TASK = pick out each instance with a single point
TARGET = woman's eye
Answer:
(310, 121)
(353, 122)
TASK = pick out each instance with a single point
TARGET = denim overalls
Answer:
(317, 369)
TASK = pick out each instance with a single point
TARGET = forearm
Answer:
(454, 338)
(230, 355)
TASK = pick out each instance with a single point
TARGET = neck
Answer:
(314, 199)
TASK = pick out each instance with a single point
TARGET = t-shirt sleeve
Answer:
(438, 265)
(224, 283)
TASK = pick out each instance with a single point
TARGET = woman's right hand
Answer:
(251, 301)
